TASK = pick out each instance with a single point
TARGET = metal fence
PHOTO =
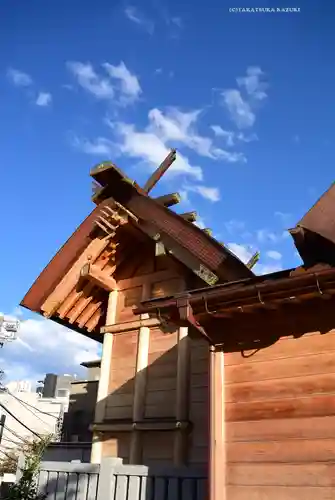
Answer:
(114, 481)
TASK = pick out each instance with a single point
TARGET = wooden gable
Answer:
(128, 235)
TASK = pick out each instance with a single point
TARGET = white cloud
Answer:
(239, 110)
(230, 137)
(119, 83)
(227, 135)
(177, 21)
(46, 347)
(273, 254)
(240, 136)
(130, 86)
(184, 195)
(200, 222)
(176, 126)
(243, 252)
(264, 236)
(209, 193)
(253, 83)
(89, 80)
(152, 149)
(284, 217)
(43, 99)
(134, 15)
(19, 78)
(99, 146)
(261, 269)
(234, 226)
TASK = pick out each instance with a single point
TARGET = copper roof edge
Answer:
(225, 292)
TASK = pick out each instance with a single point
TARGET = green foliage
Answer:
(26, 488)
(8, 464)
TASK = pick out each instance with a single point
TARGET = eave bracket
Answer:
(187, 317)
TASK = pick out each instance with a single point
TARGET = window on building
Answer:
(63, 393)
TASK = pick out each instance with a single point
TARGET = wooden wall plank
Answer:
(119, 402)
(268, 390)
(313, 343)
(316, 474)
(199, 404)
(314, 406)
(279, 429)
(289, 451)
(311, 364)
(161, 374)
(116, 445)
(153, 452)
(279, 493)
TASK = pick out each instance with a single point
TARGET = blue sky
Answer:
(246, 98)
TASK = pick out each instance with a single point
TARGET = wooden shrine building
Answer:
(172, 306)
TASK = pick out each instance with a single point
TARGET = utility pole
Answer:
(2, 425)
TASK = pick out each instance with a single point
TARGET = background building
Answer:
(57, 386)
(28, 415)
(83, 397)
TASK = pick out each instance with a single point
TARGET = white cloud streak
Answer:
(98, 147)
(244, 253)
(118, 85)
(253, 83)
(209, 193)
(150, 148)
(90, 81)
(19, 78)
(241, 108)
(130, 86)
(176, 126)
(274, 255)
(44, 99)
(137, 17)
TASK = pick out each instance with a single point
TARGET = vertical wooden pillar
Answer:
(140, 384)
(103, 388)
(217, 445)
(182, 397)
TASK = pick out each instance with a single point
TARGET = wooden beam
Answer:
(217, 444)
(67, 284)
(76, 302)
(182, 396)
(160, 249)
(189, 216)
(182, 254)
(98, 277)
(168, 200)
(130, 325)
(94, 320)
(147, 278)
(88, 312)
(72, 308)
(160, 171)
(253, 261)
(140, 382)
(103, 387)
(154, 425)
(184, 236)
(208, 231)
